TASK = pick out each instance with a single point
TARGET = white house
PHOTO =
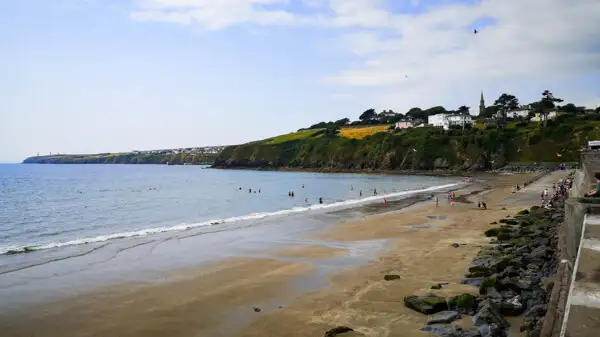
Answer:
(551, 115)
(438, 121)
(404, 124)
(521, 113)
(447, 120)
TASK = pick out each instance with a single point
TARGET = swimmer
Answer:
(306, 200)
(320, 200)
(360, 193)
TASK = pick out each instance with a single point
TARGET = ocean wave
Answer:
(183, 227)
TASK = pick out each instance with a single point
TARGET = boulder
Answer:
(489, 314)
(337, 330)
(491, 331)
(443, 317)
(444, 330)
(428, 305)
(493, 293)
(465, 304)
(391, 277)
(510, 307)
(475, 282)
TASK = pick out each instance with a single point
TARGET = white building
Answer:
(551, 115)
(445, 121)
(521, 113)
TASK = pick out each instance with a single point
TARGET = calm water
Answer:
(51, 207)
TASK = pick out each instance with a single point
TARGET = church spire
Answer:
(481, 104)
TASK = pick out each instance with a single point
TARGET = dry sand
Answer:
(218, 300)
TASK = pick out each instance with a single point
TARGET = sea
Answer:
(63, 225)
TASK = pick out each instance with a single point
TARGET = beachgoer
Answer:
(484, 205)
(259, 190)
(249, 190)
(306, 200)
(240, 188)
(360, 193)
(451, 202)
(375, 192)
(545, 194)
(449, 196)
(595, 193)
(453, 195)
(302, 185)
(292, 193)
(351, 188)
(437, 201)
(384, 200)
(320, 200)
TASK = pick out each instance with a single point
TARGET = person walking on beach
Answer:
(437, 201)
(545, 197)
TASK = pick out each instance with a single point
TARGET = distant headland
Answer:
(182, 156)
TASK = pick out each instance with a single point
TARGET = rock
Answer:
(465, 304)
(475, 282)
(511, 307)
(428, 305)
(443, 317)
(391, 277)
(523, 212)
(487, 283)
(337, 330)
(445, 330)
(493, 293)
(256, 309)
(455, 245)
(492, 232)
(436, 286)
(489, 314)
(494, 223)
(508, 293)
(532, 316)
(491, 331)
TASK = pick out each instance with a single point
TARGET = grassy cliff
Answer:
(127, 158)
(419, 148)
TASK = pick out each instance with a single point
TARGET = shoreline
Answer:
(403, 229)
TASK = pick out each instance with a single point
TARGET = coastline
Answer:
(411, 249)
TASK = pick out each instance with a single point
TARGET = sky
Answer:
(88, 76)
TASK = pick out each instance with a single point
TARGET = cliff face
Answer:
(419, 149)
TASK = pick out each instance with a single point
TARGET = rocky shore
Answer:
(514, 277)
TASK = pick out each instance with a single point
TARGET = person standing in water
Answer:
(360, 193)
(375, 192)
(320, 200)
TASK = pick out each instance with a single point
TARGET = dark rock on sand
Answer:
(428, 305)
(256, 309)
(436, 286)
(391, 277)
(465, 304)
(455, 245)
(443, 317)
(444, 330)
(491, 331)
(475, 281)
(489, 314)
(337, 330)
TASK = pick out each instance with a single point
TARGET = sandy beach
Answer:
(268, 296)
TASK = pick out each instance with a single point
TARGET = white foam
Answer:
(183, 227)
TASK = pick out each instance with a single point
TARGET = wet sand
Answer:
(219, 299)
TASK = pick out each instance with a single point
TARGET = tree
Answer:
(597, 110)
(435, 110)
(416, 113)
(569, 108)
(463, 110)
(367, 115)
(547, 103)
(342, 122)
(504, 104)
(489, 112)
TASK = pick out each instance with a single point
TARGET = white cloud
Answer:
(528, 45)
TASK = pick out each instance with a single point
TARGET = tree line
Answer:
(498, 111)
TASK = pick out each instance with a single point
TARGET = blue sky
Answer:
(81, 76)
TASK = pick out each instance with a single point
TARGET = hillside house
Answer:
(551, 115)
(445, 121)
